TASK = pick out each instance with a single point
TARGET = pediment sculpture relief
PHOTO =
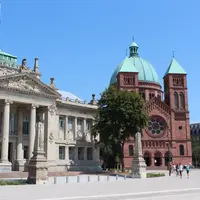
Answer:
(22, 83)
(6, 71)
(26, 83)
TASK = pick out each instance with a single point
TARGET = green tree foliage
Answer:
(121, 114)
(196, 151)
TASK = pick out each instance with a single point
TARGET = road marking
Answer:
(166, 196)
(123, 194)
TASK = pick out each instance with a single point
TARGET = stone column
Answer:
(66, 128)
(20, 152)
(138, 163)
(75, 128)
(5, 132)
(32, 124)
(84, 129)
(67, 153)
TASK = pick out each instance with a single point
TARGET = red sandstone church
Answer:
(167, 136)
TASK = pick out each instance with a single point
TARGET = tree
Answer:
(196, 151)
(121, 114)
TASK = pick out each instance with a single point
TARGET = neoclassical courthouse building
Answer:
(67, 119)
(167, 136)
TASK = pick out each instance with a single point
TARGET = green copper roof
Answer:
(6, 54)
(134, 63)
(175, 68)
(126, 66)
(133, 44)
(7, 58)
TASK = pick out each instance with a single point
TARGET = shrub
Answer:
(4, 182)
(153, 175)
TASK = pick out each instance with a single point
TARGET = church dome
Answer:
(146, 71)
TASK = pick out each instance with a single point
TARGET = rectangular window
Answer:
(1, 119)
(70, 123)
(25, 152)
(62, 123)
(61, 152)
(25, 127)
(89, 153)
(79, 124)
(12, 124)
(81, 153)
(71, 153)
(88, 125)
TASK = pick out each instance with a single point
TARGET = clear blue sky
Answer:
(80, 42)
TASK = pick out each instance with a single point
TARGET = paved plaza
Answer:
(171, 188)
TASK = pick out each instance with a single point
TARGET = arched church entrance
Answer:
(158, 158)
(168, 158)
(147, 158)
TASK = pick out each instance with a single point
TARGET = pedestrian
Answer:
(180, 170)
(177, 169)
(188, 170)
(170, 169)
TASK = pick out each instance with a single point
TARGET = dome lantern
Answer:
(133, 49)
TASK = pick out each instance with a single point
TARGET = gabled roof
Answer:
(175, 68)
(26, 83)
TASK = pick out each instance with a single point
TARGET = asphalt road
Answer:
(169, 188)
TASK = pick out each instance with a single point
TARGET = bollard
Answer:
(55, 179)
(107, 178)
(124, 177)
(88, 178)
(98, 178)
(67, 179)
(117, 177)
(78, 179)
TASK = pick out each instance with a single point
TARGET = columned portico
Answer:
(32, 125)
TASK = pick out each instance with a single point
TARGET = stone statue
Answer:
(138, 163)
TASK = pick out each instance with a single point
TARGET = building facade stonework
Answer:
(167, 135)
(24, 99)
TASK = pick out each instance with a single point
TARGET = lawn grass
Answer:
(154, 175)
(18, 182)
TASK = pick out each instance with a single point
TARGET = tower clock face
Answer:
(156, 126)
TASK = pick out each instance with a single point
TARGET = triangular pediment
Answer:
(156, 103)
(27, 83)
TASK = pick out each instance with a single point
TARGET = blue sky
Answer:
(80, 42)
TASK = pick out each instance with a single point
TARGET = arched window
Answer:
(181, 149)
(176, 104)
(182, 102)
(130, 150)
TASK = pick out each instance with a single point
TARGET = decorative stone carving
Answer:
(26, 83)
(79, 135)
(51, 138)
(7, 71)
(8, 101)
(53, 109)
(88, 136)
(70, 134)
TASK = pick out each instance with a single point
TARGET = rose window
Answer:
(156, 125)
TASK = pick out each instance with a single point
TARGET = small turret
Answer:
(52, 83)
(93, 101)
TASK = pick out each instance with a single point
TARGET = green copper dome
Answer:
(146, 71)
